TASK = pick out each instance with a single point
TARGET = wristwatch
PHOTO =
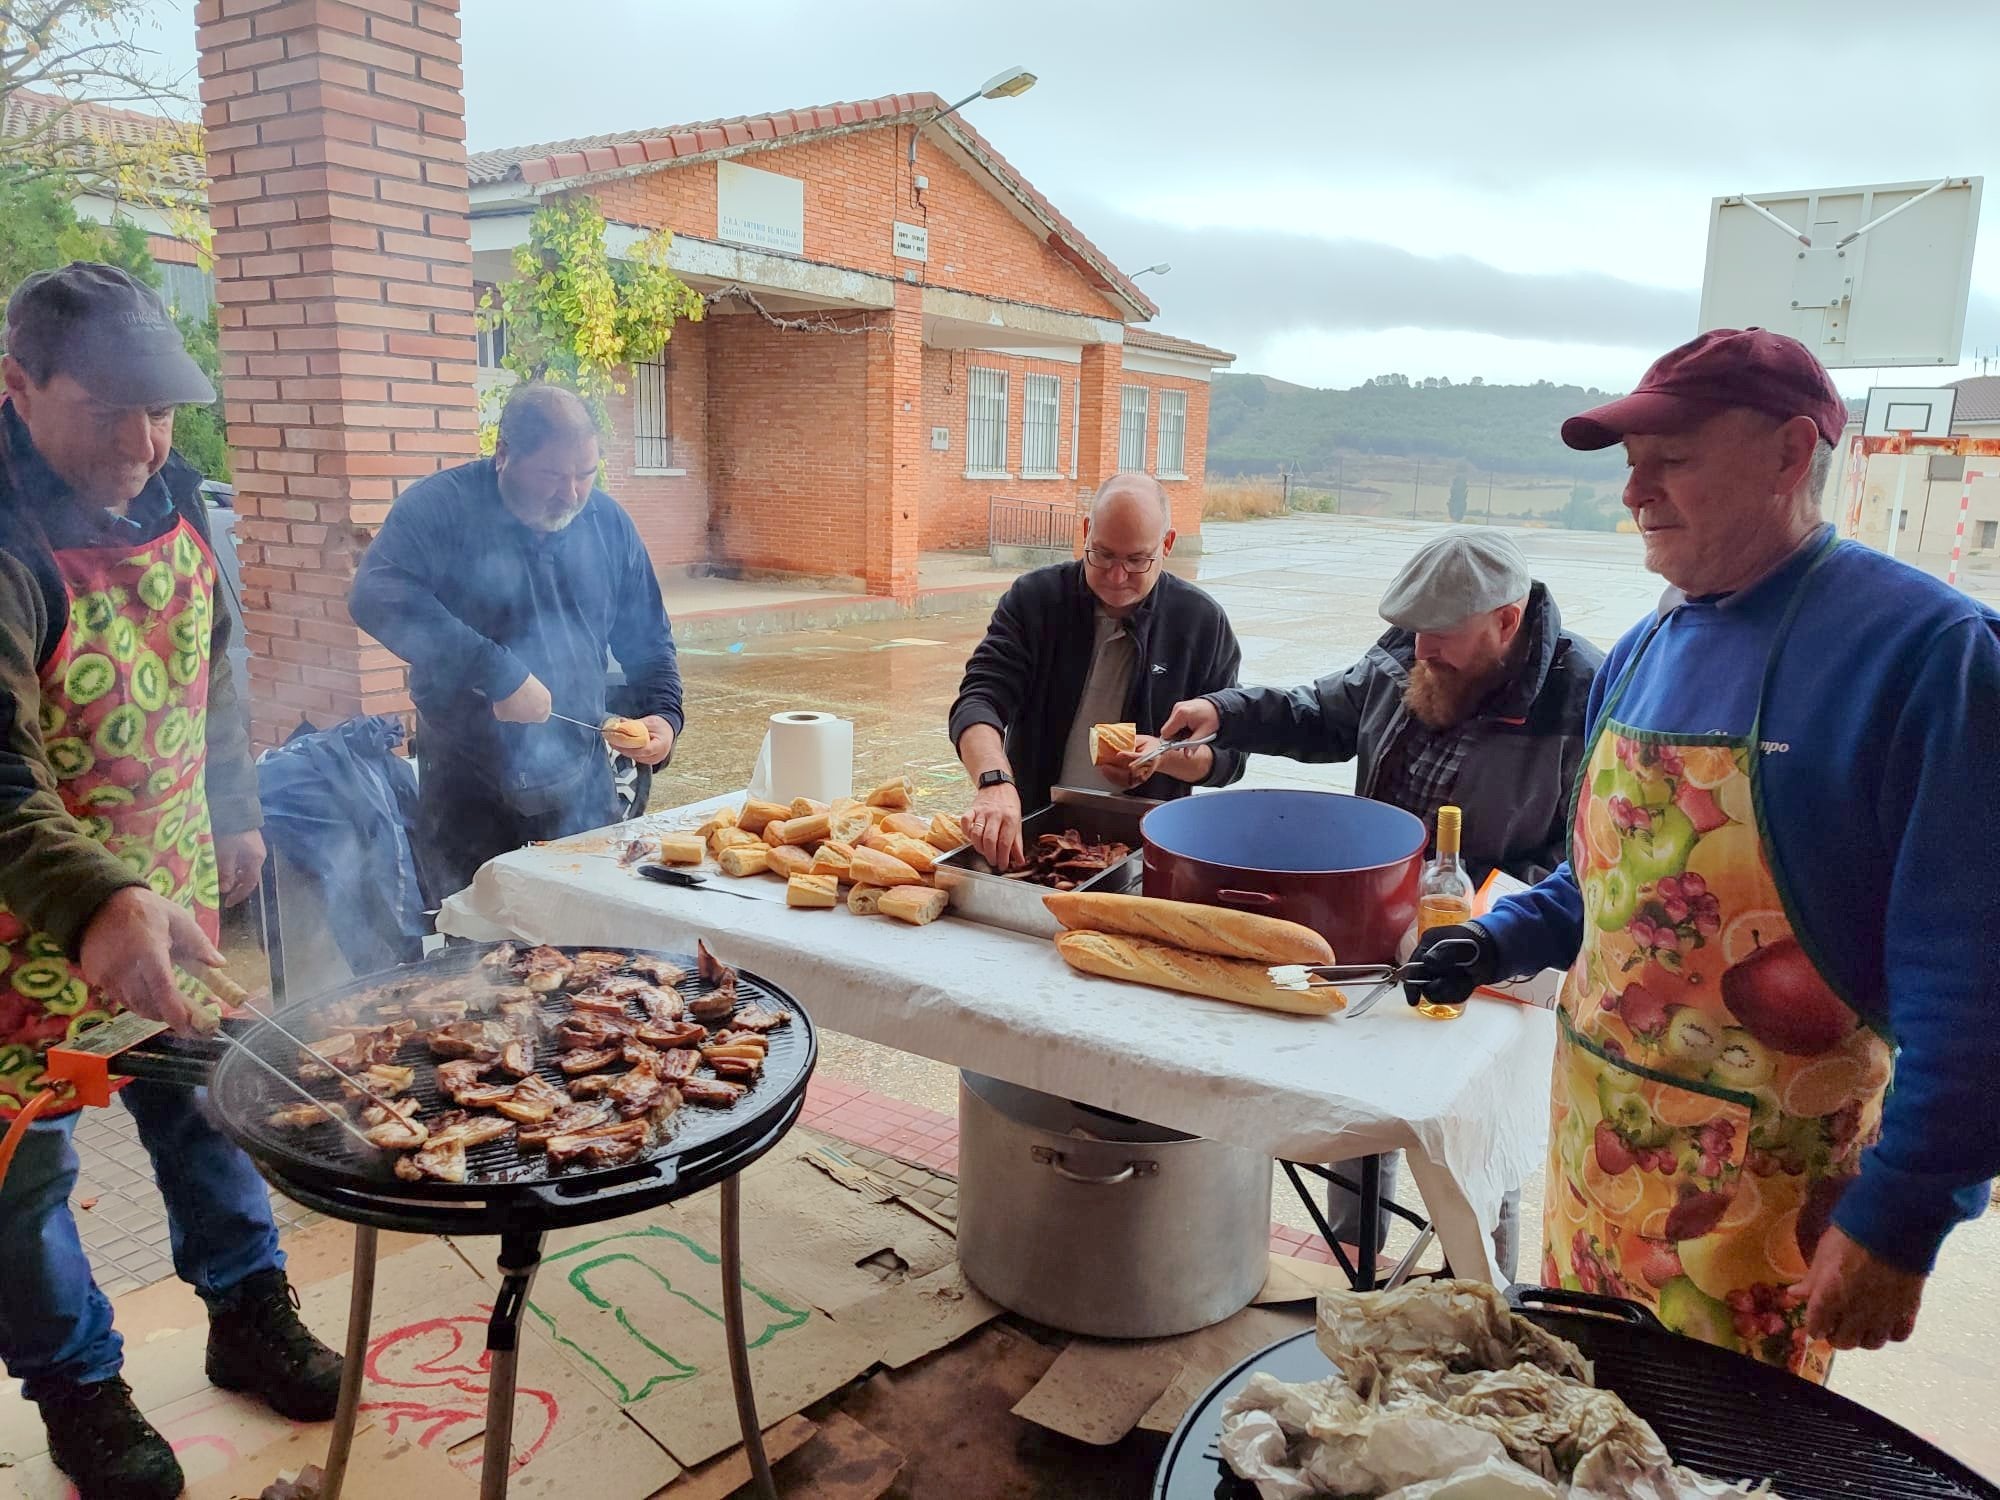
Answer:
(994, 778)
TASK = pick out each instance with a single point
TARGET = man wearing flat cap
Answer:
(1782, 887)
(128, 813)
(1474, 696)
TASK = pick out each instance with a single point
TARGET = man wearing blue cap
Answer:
(128, 813)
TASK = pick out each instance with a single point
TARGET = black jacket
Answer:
(1026, 678)
(1527, 749)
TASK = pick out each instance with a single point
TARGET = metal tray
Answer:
(981, 895)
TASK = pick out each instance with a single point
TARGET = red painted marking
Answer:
(461, 1367)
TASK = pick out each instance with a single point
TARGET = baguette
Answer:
(873, 867)
(915, 853)
(833, 859)
(917, 905)
(1243, 981)
(876, 815)
(774, 831)
(1107, 740)
(909, 824)
(847, 824)
(682, 849)
(865, 900)
(946, 834)
(789, 861)
(813, 892)
(757, 816)
(731, 838)
(627, 735)
(894, 795)
(813, 828)
(874, 838)
(745, 859)
(805, 807)
(721, 818)
(1184, 924)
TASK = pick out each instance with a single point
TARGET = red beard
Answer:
(1443, 698)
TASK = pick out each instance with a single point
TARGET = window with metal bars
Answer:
(1171, 460)
(652, 425)
(986, 422)
(492, 341)
(1040, 425)
(1131, 428)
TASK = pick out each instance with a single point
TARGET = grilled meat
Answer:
(443, 1162)
(533, 1101)
(342, 1050)
(642, 1091)
(588, 967)
(598, 1005)
(711, 1093)
(383, 1110)
(571, 1119)
(743, 1069)
(576, 1064)
(488, 1095)
(662, 1005)
(467, 1130)
(679, 1063)
(300, 1116)
(395, 1133)
(711, 968)
(716, 1005)
(657, 969)
(670, 1033)
(500, 960)
(602, 1146)
(755, 1039)
(543, 969)
(588, 1033)
(518, 1057)
(479, 1040)
(637, 850)
(459, 1076)
(757, 1018)
(380, 1081)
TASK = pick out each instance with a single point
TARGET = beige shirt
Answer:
(1114, 658)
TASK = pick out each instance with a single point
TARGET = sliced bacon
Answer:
(757, 1018)
(657, 969)
(671, 1034)
(575, 1064)
(711, 1093)
(571, 1119)
(533, 1100)
(602, 1146)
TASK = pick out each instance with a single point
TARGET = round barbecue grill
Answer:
(1719, 1413)
(506, 1192)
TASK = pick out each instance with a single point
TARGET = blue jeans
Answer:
(55, 1325)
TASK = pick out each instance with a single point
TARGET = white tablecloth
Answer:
(1467, 1099)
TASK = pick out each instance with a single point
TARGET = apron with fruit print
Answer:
(124, 719)
(1712, 1092)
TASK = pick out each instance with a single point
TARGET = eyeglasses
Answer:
(1137, 563)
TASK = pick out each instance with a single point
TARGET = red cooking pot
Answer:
(1344, 866)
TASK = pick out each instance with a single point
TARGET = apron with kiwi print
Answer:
(1712, 1092)
(124, 722)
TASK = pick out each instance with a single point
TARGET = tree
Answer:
(1455, 506)
(59, 52)
(574, 314)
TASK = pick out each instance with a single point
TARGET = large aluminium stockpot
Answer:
(1347, 867)
(1101, 1225)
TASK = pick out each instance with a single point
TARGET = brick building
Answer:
(964, 340)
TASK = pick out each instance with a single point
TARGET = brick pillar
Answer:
(1101, 373)
(895, 447)
(343, 265)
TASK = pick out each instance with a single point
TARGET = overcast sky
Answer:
(1439, 187)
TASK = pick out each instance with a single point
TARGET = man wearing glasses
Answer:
(1111, 639)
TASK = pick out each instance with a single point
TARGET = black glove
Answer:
(1446, 975)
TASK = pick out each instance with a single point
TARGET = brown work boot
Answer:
(98, 1437)
(257, 1345)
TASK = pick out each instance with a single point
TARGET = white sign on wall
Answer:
(913, 242)
(759, 208)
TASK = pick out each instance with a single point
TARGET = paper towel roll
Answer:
(805, 754)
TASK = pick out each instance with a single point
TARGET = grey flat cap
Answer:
(1454, 576)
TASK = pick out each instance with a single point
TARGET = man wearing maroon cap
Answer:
(1783, 885)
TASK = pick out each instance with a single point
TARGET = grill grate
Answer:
(246, 1094)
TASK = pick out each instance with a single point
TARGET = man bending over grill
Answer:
(1112, 639)
(128, 811)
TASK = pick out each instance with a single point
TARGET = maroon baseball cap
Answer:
(1711, 373)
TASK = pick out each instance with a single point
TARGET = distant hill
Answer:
(1258, 425)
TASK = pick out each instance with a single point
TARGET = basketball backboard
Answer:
(1922, 410)
(1863, 276)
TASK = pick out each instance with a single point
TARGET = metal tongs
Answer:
(1165, 745)
(1388, 976)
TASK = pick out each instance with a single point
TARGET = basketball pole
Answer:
(1896, 505)
(1958, 538)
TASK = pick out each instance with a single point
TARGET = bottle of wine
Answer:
(1444, 896)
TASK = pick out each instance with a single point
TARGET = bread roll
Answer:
(894, 795)
(946, 834)
(1137, 961)
(915, 904)
(874, 838)
(731, 838)
(721, 818)
(909, 824)
(757, 816)
(682, 849)
(1185, 924)
(627, 735)
(865, 900)
(813, 892)
(833, 859)
(745, 859)
(848, 824)
(873, 867)
(788, 860)
(915, 853)
(811, 829)
(805, 807)
(1107, 740)
(774, 831)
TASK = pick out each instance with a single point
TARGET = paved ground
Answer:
(1302, 593)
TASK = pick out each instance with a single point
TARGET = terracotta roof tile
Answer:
(1978, 399)
(1165, 343)
(96, 130)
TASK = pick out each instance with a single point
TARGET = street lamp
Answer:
(1160, 270)
(1003, 85)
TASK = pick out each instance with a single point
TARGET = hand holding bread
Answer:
(1195, 949)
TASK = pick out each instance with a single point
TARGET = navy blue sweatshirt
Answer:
(475, 601)
(1880, 780)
